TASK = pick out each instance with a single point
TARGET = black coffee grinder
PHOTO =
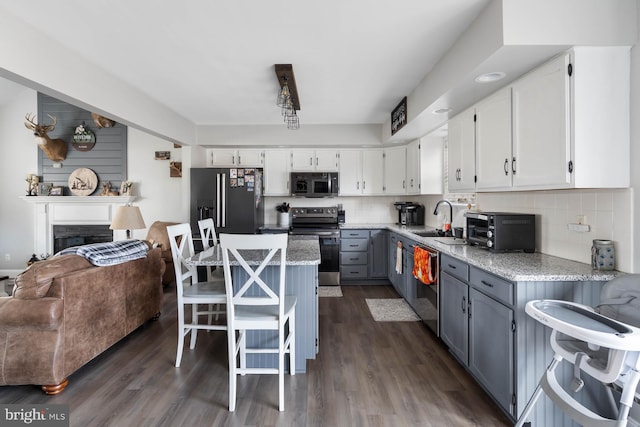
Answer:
(410, 213)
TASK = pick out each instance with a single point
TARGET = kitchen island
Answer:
(301, 280)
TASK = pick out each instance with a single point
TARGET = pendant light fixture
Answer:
(287, 98)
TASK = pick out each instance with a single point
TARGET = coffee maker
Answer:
(410, 213)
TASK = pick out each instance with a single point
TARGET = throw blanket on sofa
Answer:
(109, 253)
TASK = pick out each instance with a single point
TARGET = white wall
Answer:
(635, 149)
(159, 195)
(20, 158)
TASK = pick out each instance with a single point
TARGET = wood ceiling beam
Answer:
(284, 72)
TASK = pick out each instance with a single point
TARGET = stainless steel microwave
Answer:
(502, 232)
(314, 184)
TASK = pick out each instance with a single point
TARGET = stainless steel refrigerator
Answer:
(231, 196)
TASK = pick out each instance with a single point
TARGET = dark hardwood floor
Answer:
(367, 374)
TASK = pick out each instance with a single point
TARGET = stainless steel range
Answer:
(321, 222)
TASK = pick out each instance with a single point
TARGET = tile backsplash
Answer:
(608, 212)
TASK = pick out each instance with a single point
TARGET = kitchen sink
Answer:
(451, 240)
(430, 233)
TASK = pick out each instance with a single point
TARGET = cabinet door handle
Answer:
(464, 304)
(310, 161)
(404, 184)
(357, 185)
(353, 259)
(353, 246)
(364, 185)
(239, 160)
(452, 266)
(506, 166)
(490, 285)
(513, 165)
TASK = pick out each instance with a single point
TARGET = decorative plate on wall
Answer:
(82, 182)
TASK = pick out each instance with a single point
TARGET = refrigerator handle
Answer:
(224, 200)
(218, 200)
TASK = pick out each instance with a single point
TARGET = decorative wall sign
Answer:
(82, 182)
(175, 169)
(399, 116)
(163, 155)
(83, 138)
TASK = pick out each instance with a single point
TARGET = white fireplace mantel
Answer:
(53, 210)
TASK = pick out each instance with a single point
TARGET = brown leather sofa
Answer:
(158, 234)
(64, 311)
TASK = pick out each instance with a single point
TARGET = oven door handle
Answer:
(325, 234)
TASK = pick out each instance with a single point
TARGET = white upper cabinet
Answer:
(571, 121)
(276, 172)
(350, 168)
(235, 157)
(431, 163)
(395, 170)
(541, 127)
(413, 167)
(494, 161)
(372, 175)
(324, 160)
(461, 152)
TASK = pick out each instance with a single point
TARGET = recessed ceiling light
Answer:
(442, 110)
(490, 77)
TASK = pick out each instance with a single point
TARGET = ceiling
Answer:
(212, 62)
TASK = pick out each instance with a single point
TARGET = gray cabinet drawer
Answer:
(353, 271)
(355, 245)
(354, 234)
(491, 285)
(351, 258)
(454, 267)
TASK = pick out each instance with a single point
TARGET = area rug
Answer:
(391, 310)
(329, 291)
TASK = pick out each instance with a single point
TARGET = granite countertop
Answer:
(514, 266)
(301, 250)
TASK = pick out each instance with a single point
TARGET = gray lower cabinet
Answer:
(363, 254)
(454, 323)
(483, 322)
(491, 353)
(378, 254)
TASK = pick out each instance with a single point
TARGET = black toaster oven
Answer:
(501, 231)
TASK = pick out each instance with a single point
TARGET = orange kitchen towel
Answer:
(424, 267)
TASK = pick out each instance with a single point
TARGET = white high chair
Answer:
(603, 348)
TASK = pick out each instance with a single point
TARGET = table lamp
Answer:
(127, 218)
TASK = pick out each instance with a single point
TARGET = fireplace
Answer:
(65, 221)
(65, 236)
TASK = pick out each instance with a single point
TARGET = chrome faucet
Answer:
(435, 212)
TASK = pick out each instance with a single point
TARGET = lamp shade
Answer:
(127, 218)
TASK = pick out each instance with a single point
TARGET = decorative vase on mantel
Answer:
(83, 138)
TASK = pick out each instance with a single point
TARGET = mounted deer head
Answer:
(102, 122)
(55, 149)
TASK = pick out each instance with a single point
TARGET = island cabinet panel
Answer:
(484, 324)
(301, 281)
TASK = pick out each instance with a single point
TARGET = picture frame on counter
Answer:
(56, 191)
